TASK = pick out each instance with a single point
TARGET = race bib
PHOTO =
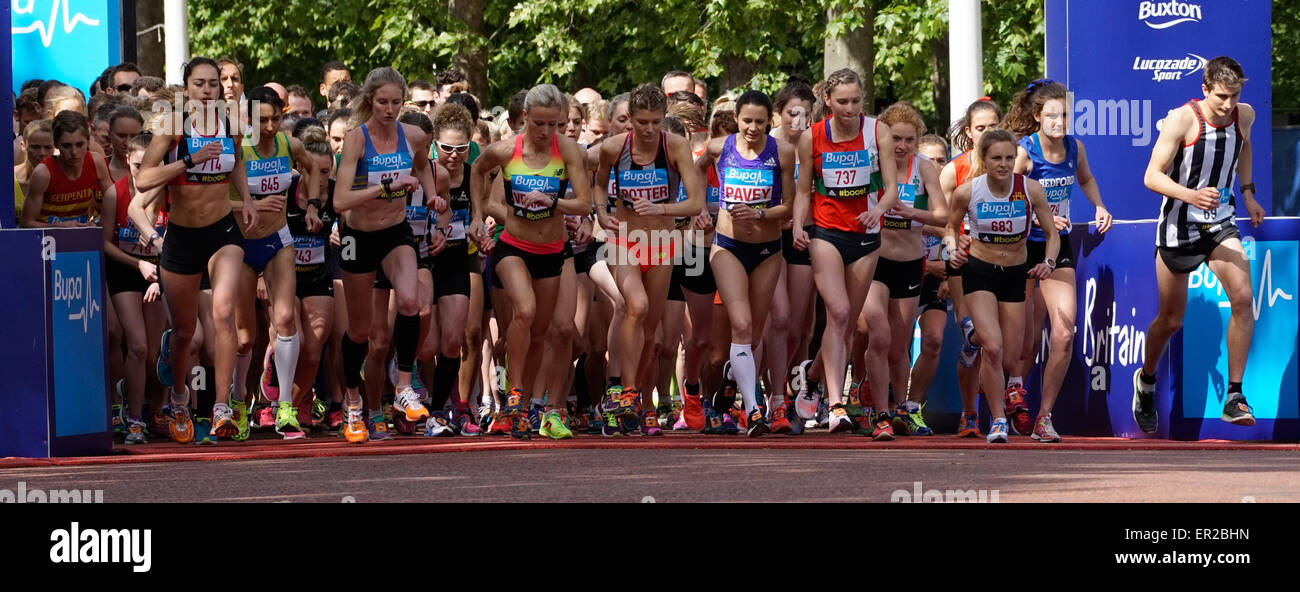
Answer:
(1225, 210)
(846, 174)
(459, 220)
(933, 247)
(748, 187)
(651, 184)
(309, 250)
(906, 197)
(1002, 222)
(522, 185)
(388, 166)
(268, 176)
(128, 239)
(1058, 194)
(418, 218)
(214, 170)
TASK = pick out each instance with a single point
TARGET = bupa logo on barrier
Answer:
(1163, 70)
(1270, 369)
(1162, 15)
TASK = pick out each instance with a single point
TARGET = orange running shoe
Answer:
(500, 426)
(780, 425)
(693, 412)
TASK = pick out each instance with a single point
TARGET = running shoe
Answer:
(437, 426)
(223, 421)
(318, 410)
(119, 413)
(1044, 431)
(286, 422)
(609, 427)
(969, 426)
(884, 428)
(798, 424)
(500, 425)
(580, 422)
(483, 417)
(203, 431)
(712, 422)
(840, 420)
(333, 418)
(553, 426)
(405, 426)
(1018, 411)
(998, 431)
(650, 423)
(663, 412)
(742, 420)
(135, 432)
(780, 425)
(968, 349)
(597, 425)
(1144, 405)
(514, 402)
(158, 425)
(264, 416)
(1237, 412)
(465, 425)
(520, 428)
(908, 420)
(535, 412)
(729, 426)
(854, 403)
(629, 424)
(354, 424)
(163, 365)
(680, 424)
(692, 412)
(757, 424)
(408, 403)
(629, 404)
(241, 420)
(270, 384)
(378, 428)
(806, 391)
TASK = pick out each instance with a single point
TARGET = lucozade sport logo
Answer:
(1271, 371)
(1163, 70)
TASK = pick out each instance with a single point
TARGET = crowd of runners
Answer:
(406, 260)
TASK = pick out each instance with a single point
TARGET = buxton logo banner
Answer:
(1162, 15)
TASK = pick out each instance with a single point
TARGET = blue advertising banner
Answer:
(72, 41)
(1127, 63)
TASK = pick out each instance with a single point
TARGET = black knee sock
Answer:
(445, 376)
(580, 383)
(354, 357)
(206, 396)
(406, 338)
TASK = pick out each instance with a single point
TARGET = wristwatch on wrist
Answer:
(188, 160)
(315, 202)
(153, 237)
(1249, 187)
(762, 214)
(387, 188)
(1050, 263)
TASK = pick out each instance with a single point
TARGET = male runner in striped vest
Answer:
(1203, 148)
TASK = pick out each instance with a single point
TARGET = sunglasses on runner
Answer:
(123, 88)
(457, 148)
(422, 104)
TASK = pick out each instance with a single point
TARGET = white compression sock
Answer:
(742, 370)
(286, 363)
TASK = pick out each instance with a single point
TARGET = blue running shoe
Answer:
(377, 427)
(163, 365)
(535, 413)
(998, 431)
(203, 431)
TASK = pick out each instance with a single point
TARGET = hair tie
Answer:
(1037, 83)
(983, 98)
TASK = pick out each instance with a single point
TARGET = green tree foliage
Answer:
(611, 45)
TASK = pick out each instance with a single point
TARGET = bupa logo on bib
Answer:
(839, 160)
(523, 184)
(748, 185)
(1162, 15)
(649, 184)
(1163, 70)
(389, 162)
(1001, 210)
(268, 166)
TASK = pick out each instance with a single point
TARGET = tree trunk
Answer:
(856, 50)
(471, 60)
(736, 73)
(149, 46)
